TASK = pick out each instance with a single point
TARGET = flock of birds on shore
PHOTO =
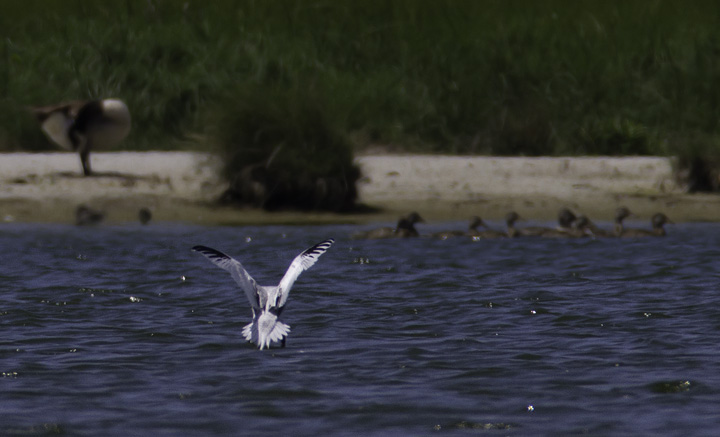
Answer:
(570, 225)
(83, 126)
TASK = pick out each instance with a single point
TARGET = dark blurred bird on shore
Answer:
(144, 215)
(86, 216)
(83, 126)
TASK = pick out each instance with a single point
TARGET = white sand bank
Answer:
(177, 175)
(181, 186)
(453, 178)
(535, 187)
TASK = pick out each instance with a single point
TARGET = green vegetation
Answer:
(281, 151)
(503, 77)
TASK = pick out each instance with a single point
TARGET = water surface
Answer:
(125, 331)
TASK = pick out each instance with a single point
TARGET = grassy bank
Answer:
(496, 77)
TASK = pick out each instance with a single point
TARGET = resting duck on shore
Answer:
(475, 223)
(658, 222)
(144, 215)
(84, 125)
(405, 229)
(86, 216)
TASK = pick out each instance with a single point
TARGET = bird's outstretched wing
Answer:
(56, 121)
(301, 263)
(238, 272)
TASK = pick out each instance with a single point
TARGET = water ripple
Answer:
(122, 330)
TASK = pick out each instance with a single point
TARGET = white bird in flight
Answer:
(268, 300)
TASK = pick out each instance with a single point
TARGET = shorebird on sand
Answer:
(84, 125)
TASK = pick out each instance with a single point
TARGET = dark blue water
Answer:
(125, 331)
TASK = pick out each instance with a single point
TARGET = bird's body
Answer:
(85, 125)
(511, 232)
(144, 215)
(563, 233)
(267, 302)
(475, 223)
(444, 235)
(488, 234)
(591, 229)
(580, 231)
(405, 229)
(620, 214)
(658, 222)
(84, 216)
(510, 220)
(566, 218)
(376, 234)
(566, 227)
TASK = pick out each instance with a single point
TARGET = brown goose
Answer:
(405, 229)
(85, 125)
(658, 222)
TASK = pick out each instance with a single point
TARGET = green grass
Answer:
(502, 77)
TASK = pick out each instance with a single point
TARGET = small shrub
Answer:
(698, 163)
(282, 151)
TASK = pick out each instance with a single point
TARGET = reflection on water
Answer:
(122, 330)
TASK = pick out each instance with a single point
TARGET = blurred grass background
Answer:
(501, 77)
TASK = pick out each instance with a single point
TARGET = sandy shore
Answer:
(182, 186)
(447, 186)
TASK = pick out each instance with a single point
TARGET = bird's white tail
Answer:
(265, 329)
